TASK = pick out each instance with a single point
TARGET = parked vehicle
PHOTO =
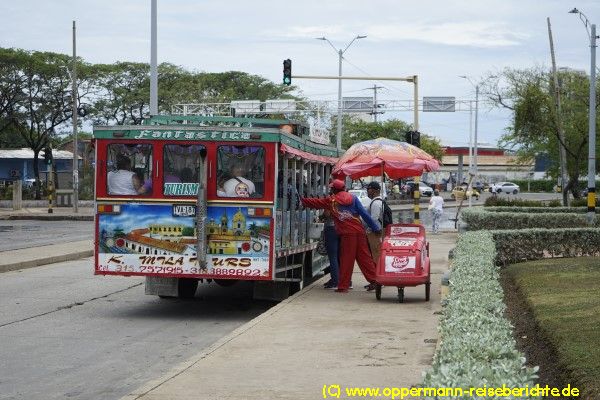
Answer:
(460, 192)
(29, 183)
(362, 196)
(424, 189)
(505, 187)
(479, 186)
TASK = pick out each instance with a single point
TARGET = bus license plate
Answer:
(184, 211)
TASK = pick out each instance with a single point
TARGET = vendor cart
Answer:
(404, 260)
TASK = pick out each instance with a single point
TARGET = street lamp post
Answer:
(591, 199)
(473, 162)
(340, 53)
(75, 143)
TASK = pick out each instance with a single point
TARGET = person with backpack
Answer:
(381, 213)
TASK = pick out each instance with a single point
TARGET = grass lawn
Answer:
(564, 296)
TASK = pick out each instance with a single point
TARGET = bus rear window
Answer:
(181, 164)
(129, 169)
(240, 171)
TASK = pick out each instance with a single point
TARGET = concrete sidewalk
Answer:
(41, 213)
(12, 260)
(314, 339)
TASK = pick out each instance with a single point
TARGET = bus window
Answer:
(180, 165)
(240, 171)
(129, 169)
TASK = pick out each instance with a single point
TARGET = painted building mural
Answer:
(162, 239)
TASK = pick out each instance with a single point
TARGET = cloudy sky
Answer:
(436, 40)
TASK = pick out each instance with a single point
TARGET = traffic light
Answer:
(408, 137)
(416, 138)
(287, 72)
(48, 155)
(413, 137)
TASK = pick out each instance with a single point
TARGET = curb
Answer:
(46, 260)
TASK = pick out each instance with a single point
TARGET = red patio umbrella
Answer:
(382, 155)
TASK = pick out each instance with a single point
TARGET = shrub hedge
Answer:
(495, 201)
(477, 347)
(510, 209)
(513, 246)
(478, 218)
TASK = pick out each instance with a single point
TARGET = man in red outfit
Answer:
(346, 211)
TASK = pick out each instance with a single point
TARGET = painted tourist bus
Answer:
(183, 200)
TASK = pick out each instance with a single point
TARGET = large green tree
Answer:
(12, 82)
(41, 100)
(125, 90)
(528, 93)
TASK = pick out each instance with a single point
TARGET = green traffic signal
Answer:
(287, 72)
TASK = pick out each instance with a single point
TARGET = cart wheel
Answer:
(378, 292)
(427, 290)
(401, 295)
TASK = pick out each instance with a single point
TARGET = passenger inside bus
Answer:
(238, 185)
(221, 184)
(120, 182)
(141, 185)
(187, 175)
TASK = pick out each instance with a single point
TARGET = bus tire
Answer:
(186, 288)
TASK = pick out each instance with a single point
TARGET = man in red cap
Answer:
(346, 211)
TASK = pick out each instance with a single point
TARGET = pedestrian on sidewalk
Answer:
(436, 205)
(332, 244)
(346, 211)
(376, 212)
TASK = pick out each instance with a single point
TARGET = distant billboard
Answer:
(439, 104)
(357, 104)
(280, 106)
(246, 106)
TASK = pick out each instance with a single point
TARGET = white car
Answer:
(29, 183)
(505, 187)
(362, 196)
(424, 189)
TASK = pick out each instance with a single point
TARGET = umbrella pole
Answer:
(381, 194)
(417, 194)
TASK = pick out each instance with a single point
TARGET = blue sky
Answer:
(436, 40)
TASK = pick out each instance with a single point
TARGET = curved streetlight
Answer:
(340, 53)
(591, 197)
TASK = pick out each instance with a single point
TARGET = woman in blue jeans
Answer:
(332, 244)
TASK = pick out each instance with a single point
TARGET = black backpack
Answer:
(387, 213)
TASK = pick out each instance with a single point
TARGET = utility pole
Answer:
(153, 62)
(591, 197)
(562, 153)
(75, 143)
(339, 117)
(375, 105)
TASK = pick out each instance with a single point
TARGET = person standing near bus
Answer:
(376, 212)
(332, 244)
(121, 181)
(346, 211)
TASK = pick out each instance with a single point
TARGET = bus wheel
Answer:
(225, 282)
(186, 288)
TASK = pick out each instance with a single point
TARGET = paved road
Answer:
(22, 234)
(67, 334)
